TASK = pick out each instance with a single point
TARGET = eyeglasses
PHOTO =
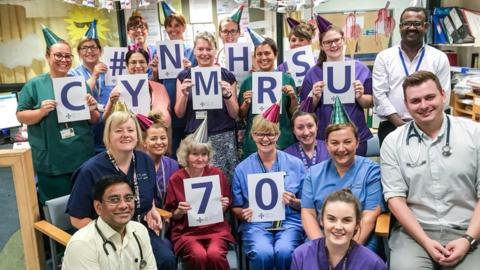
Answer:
(116, 199)
(91, 48)
(269, 136)
(138, 27)
(229, 32)
(408, 24)
(134, 63)
(329, 43)
(60, 56)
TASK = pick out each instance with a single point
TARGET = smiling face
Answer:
(59, 59)
(117, 206)
(332, 44)
(305, 129)
(339, 223)
(124, 137)
(425, 102)
(265, 57)
(138, 32)
(156, 141)
(197, 159)
(229, 32)
(137, 64)
(89, 52)
(204, 52)
(297, 42)
(342, 145)
(413, 27)
(175, 30)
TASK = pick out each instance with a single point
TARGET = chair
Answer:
(382, 229)
(56, 225)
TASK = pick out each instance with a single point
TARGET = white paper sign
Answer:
(8, 110)
(70, 94)
(265, 192)
(299, 61)
(134, 92)
(266, 90)
(339, 77)
(203, 194)
(206, 90)
(170, 56)
(238, 59)
(114, 58)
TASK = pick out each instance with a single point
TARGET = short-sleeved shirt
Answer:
(354, 110)
(440, 190)
(219, 119)
(49, 151)
(80, 204)
(286, 136)
(101, 93)
(293, 180)
(321, 153)
(312, 255)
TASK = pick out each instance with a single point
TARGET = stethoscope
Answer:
(106, 242)
(413, 133)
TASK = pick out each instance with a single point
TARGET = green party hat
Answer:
(50, 37)
(236, 15)
(339, 115)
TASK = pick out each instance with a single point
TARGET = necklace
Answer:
(135, 181)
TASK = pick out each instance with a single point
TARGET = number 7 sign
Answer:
(203, 194)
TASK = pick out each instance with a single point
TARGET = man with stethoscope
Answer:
(394, 64)
(112, 241)
(431, 181)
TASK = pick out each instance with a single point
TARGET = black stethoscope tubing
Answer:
(106, 242)
(446, 149)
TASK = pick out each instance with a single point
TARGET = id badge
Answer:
(200, 115)
(67, 133)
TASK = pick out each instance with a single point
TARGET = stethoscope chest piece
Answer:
(446, 150)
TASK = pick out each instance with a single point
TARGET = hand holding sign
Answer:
(47, 106)
(186, 87)
(359, 90)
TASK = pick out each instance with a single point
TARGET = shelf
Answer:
(465, 70)
(457, 45)
(464, 111)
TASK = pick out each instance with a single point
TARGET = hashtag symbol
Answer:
(117, 63)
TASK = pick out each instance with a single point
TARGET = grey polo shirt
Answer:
(440, 190)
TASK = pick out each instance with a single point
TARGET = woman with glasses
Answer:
(58, 149)
(229, 32)
(93, 70)
(269, 245)
(265, 53)
(332, 44)
(121, 136)
(137, 63)
(221, 127)
(137, 31)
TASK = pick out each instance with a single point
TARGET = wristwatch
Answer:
(473, 242)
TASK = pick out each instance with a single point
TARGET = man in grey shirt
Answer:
(431, 181)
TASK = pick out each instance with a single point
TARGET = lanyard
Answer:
(162, 186)
(345, 258)
(313, 161)
(422, 54)
(264, 170)
(135, 182)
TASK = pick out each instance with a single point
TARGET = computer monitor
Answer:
(8, 110)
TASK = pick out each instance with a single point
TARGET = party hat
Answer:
(92, 30)
(256, 38)
(236, 15)
(50, 37)
(201, 134)
(322, 24)
(339, 115)
(144, 121)
(272, 114)
(120, 106)
(307, 104)
(167, 9)
(292, 22)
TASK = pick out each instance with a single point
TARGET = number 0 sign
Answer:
(265, 196)
(203, 194)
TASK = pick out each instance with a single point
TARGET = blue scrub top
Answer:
(80, 204)
(295, 172)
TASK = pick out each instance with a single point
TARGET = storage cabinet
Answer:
(467, 105)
